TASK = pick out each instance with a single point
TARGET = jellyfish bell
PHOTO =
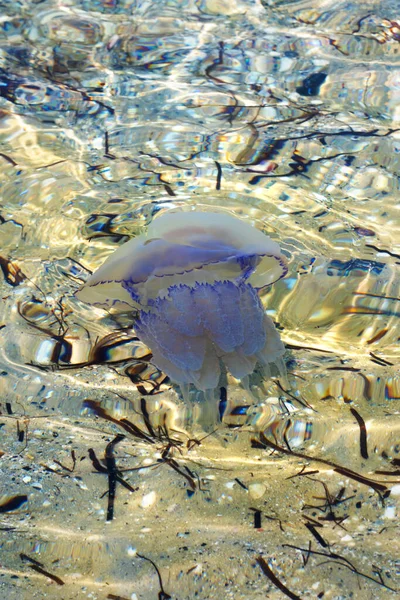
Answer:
(193, 280)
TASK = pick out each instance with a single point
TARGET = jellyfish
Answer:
(193, 282)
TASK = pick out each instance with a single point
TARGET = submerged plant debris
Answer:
(285, 114)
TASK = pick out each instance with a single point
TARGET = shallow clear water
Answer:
(286, 114)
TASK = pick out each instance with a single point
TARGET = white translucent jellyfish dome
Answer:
(193, 280)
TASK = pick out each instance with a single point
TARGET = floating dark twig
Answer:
(274, 579)
(257, 519)
(363, 433)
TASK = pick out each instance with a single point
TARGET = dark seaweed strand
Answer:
(124, 423)
(9, 159)
(376, 485)
(69, 469)
(155, 390)
(33, 561)
(242, 485)
(381, 296)
(20, 433)
(274, 579)
(396, 463)
(114, 474)
(342, 561)
(95, 462)
(219, 175)
(300, 165)
(218, 61)
(146, 417)
(328, 506)
(35, 565)
(301, 402)
(363, 433)
(134, 430)
(312, 528)
(54, 578)
(175, 466)
(378, 336)
(271, 518)
(380, 361)
(106, 143)
(303, 473)
(257, 517)
(162, 594)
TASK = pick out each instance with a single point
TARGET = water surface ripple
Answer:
(286, 113)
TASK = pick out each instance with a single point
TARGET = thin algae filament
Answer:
(193, 281)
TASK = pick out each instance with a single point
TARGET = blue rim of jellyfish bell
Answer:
(247, 262)
(251, 265)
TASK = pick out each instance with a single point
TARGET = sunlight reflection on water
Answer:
(286, 114)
